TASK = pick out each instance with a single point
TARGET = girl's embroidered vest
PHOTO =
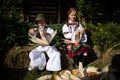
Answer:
(76, 25)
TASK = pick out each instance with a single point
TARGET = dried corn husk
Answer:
(92, 72)
(74, 77)
(75, 71)
(81, 69)
(91, 69)
(46, 77)
(65, 74)
(57, 77)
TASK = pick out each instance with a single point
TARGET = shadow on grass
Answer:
(113, 72)
(12, 74)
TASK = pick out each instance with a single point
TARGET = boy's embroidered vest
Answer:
(37, 32)
(44, 30)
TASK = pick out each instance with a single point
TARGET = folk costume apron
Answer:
(38, 59)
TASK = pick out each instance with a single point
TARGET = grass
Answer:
(22, 74)
(18, 71)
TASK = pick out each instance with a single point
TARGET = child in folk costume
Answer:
(41, 36)
(75, 37)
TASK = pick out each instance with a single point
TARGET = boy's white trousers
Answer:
(38, 59)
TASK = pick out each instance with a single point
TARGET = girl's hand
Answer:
(77, 32)
(80, 31)
(83, 30)
(68, 41)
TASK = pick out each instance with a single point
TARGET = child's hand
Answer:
(77, 32)
(35, 40)
(65, 41)
(42, 34)
(68, 41)
(83, 30)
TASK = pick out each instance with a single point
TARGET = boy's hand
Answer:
(35, 40)
(42, 34)
(41, 42)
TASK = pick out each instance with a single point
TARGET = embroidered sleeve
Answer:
(50, 31)
(32, 32)
(66, 32)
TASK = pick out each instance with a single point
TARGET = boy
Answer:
(42, 36)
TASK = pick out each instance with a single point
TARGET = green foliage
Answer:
(10, 8)
(59, 35)
(85, 7)
(13, 29)
(104, 36)
(15, 32)
(89, 9)
(22, 33)
(80, 5)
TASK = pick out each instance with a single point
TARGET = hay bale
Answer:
(18, 57)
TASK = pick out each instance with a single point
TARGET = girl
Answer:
(75, 35)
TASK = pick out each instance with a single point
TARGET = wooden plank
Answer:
(43, 8)
(49, 8)
(52, 15)
(40, 10)
(35, 12)
(42, 4)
